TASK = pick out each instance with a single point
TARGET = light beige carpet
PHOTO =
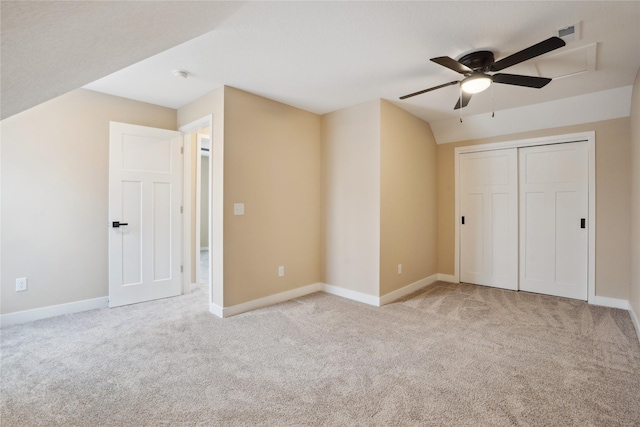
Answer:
(459, 355)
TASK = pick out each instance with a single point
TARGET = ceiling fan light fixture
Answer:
(476, 83)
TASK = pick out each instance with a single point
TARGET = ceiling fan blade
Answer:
(543, 47)
(430, 89)
(518, 80)
(452, 64)
(464, 100)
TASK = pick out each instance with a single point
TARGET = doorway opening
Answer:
(197, 221)
(202, 208)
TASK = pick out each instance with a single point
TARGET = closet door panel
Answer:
(553, 203)
(489, 205)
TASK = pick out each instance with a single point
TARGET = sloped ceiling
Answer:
(52, 47)
(318, 56)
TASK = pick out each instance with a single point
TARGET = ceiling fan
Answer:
(476, 67)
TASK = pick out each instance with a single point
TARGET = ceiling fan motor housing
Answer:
(478, 61)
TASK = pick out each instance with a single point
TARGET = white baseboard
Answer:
(409, 289)
(216, 309)
(53, 311)
(447, 278)
(611, 302)
(634, 319)
(222, 312)
(352, 295)
(330, 289)
(264, 302)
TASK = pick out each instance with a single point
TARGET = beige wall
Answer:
(408, 215)
(351, 169)
(340, 199)
(613, 181)
(55, 196)
(634, 297)
(272, 159)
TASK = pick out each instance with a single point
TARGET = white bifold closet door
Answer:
(553, 219)
(489, 218)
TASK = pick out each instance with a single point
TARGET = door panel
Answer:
(553, 199)
(500, 216)
(145, 192)
(489, 204)
(472, 249)
(131, 257)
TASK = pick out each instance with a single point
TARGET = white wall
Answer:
(351, 162)
(55, 196)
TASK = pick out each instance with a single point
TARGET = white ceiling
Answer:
(324, 56)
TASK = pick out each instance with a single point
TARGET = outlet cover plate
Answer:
(21, 284)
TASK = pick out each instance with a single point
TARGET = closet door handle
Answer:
(118, 224)
(463, 220)
(583, 223)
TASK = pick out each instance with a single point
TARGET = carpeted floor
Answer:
(204, 266)
(452, 354)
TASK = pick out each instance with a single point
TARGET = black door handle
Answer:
(117, 224)
(583, 223)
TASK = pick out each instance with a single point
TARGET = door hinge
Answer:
(181, 269)
(181, 209)
(181, 150)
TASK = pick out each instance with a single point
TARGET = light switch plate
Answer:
(238, 208)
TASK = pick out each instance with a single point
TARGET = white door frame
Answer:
(590, 138)
(187, 130)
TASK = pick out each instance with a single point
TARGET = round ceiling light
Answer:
(476, 83)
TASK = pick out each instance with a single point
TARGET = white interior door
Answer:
(489, 209)
(145, 229)
(553, 219)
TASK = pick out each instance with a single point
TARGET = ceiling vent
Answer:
(570, 33)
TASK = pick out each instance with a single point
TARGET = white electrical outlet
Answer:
(21, 284)
(399, 268)
(281, 271)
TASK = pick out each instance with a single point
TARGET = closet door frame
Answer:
(590, 138)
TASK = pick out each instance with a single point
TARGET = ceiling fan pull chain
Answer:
(493, 105)
(460, 101)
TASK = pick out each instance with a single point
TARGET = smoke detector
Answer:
(181, 74)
